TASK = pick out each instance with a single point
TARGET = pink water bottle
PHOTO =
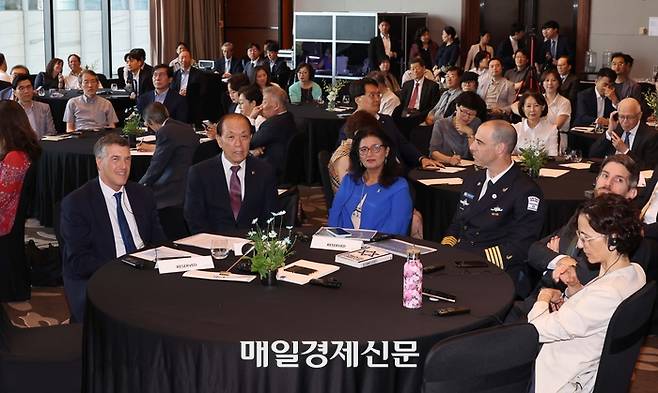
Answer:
(412, 285)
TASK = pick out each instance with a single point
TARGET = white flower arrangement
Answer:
(270, 249)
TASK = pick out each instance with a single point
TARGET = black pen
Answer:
(166, 258)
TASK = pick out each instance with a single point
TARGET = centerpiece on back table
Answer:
(332, 92)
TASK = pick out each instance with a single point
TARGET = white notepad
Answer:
(451, 181)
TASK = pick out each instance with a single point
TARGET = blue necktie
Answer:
(553, 49)
(126, 235)
(627, 140)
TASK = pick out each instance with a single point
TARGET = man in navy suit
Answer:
(104, 219)
(139, 77)
(271, 140)
(279, 69)
(253, 53)
(554, 47)
(188, 82)
(230, 190)
(594, 104)
(383, 46)
(227, 65)
(176, 105)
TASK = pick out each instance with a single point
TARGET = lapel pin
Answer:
(253, 172)
(505, 189)
(494, 196)
(479, 183)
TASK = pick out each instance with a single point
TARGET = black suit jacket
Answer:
(207, 202)
(644, 150)
(274, 135)
(586, 107)
(505, 51)
(145, 81)
(88, 239)
(175, 145)
(249, 69)
(377, 52)
(280, 73)
(570, 88)
(563, 49)
(194, 92)
(235, 67)
(174, 102)
(429, 95)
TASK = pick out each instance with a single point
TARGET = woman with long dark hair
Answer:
(18, 151)
(52, 78)
(424, 47)
(372, 195)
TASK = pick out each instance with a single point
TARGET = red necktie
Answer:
(414, 97)
(235, 191)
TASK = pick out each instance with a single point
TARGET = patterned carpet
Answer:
(48, 305)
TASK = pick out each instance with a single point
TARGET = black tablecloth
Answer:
(120, 101)
(66, 165)
(582, 141)
(166, 333)
(438, 203)
(321, 128)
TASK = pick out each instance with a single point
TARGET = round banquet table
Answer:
(321, 128)
(165, 333)
(120, 100)
(438, 203)
(66, 165)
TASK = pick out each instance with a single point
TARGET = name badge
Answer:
(185, 264)
(336, 243)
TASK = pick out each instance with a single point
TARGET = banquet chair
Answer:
(627, 329)
(323, 163)
(493, 360)
(288, 201)
(41, 359)
(293, 167)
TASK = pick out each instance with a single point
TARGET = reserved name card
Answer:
(336, 243)
(185, 264)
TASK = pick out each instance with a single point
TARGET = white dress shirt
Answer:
(386, 39)
(184, 77)
(111, 203)
(228, 172)
(389, 102)
(600, 104)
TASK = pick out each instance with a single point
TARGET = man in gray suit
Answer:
(38, 113)
(175, 144)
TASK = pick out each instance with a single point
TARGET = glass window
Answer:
(66, 5)
(23, 43)
(129, 28)
(80, 32)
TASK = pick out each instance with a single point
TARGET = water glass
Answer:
(576, 155)
(219, 248)
(114, 87)
(346, 99)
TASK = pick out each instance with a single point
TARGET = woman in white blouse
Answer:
(535, 130)
(559, 107)
(609, 230)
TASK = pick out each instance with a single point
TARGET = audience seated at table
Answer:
(52, 78)
(448, 53)
(507, 48)
(372, 195)
(230, 190)
(279, 71)
(408, 75)
(176, 105)
(227, 65)
(106, 218)
(424, 47)
(166, 175)
(89, 111)
(263, 77)
(469, 82)
(365, 94)
(519, 75)
(254, 59)
(555, 45)
(481, 46)
(138, 77)
(72, 80)
(593, 104)
(339, 163)
(573, 334)
(391, 80)
(481, 63)
(501, 210)
(250, 100)
(569, 82)
(453, 90)
(271, 141)
(389, 103)
(304, 91)
(419, 95)
(452, 136)
(175, 63)
(496, 91)
(234, 84)
(19, 149)
(38, 113)
(535, 130)
(383, 47)
(628, 135)
(559, 106)
(8, 92)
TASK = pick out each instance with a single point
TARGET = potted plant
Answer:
(270, 248)
(132, 126)
(534, 158)
(651, 99)
(332, 92)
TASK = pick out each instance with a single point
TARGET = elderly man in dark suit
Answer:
(166, 175)
(104, 219)
(176, 104)
(593, 104)
(188, 82)
(271, 140)
(420, 94)
(227, 65)
(627, 134)
(230, 190)
(383, 46)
